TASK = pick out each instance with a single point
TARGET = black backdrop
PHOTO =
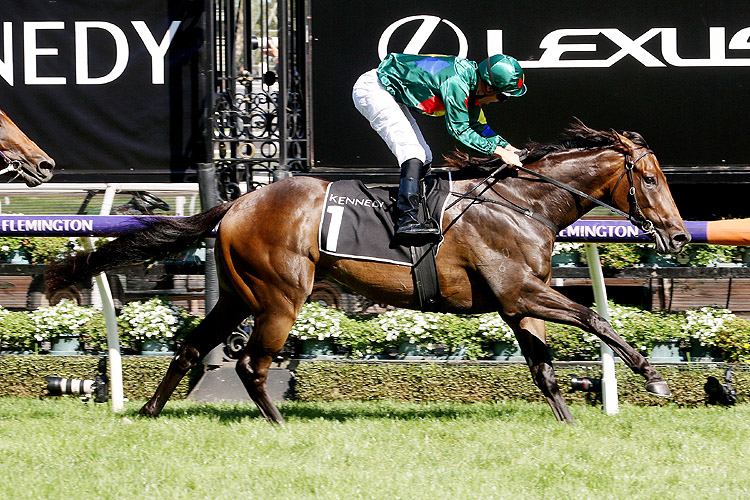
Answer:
(133, 128)
(689, 115)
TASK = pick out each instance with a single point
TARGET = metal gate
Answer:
(260, 119)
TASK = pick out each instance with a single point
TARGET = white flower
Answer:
(154, 318)
(64, 318)
(565, 247)
(492, 325)
(703, 324)
(317, 321)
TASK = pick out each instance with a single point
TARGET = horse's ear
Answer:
(617, 137)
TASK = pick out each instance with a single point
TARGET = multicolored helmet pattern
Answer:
(504, 74)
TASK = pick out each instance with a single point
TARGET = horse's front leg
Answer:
(538, 300)
(530, 333)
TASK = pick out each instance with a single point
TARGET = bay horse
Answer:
(493, 258)
(21, 156)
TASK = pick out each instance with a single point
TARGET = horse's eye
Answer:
(649, 179)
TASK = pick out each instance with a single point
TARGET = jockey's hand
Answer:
(509, 156)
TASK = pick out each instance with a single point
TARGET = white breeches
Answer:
(390, 119)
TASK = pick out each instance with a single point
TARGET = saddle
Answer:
(359, 222)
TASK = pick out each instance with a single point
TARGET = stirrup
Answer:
(416, 227)
(417, 233)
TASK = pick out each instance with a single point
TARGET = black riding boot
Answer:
(408, 226)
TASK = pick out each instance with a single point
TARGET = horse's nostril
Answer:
(679, 241)
(45, 168)
(682, 238)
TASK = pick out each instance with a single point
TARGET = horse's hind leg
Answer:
(530, 333)
(268, 338)
(228, 312)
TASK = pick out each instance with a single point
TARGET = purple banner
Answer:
(67, 225)
(620, 231)
(599, 231)
(698, 231)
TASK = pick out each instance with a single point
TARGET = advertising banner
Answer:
(721, 232)
(107, 88)
(676, 72)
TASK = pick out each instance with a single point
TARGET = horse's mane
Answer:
(576, 136)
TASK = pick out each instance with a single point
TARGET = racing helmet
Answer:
(504, 74)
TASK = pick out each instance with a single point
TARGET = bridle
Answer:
(10, 165)
(635, 215)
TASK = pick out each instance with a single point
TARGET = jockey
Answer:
(435, 86)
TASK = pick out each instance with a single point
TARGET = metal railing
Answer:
(260, 118)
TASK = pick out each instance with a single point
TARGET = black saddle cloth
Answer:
(359, 222)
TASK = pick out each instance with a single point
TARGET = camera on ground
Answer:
(585, 384)
(718, 393)
(98, 387)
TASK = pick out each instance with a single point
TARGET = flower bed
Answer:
(39, 250)
(155, 319)
(65, 319)
(472, 336)
(394, 334)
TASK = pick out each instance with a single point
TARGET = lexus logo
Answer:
(420, 37)
(559, 50)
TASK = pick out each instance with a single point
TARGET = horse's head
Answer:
(20, 156)
(641, 190)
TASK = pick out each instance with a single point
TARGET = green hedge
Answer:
(23, 375)
(474, 382)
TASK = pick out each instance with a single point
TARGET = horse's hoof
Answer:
(659, 388)
(144, 412)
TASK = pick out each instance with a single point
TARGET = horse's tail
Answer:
(159, 237)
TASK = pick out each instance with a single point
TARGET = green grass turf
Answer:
(64, 449)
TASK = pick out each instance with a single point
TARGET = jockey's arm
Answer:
(467, 125)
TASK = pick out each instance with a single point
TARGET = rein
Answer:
(507, 204)
(635, 217)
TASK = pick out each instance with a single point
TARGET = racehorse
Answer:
(494, 257)
(22, 156)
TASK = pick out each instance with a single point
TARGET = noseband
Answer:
(10, 165)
